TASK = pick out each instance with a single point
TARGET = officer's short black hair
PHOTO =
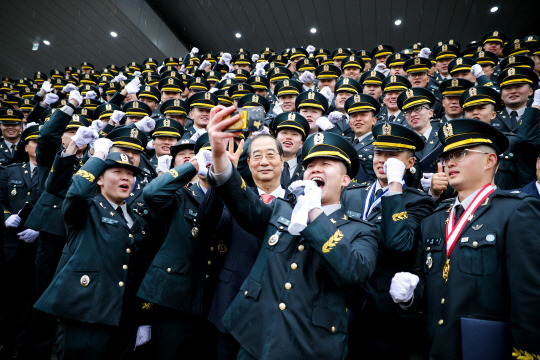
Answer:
(278, 144)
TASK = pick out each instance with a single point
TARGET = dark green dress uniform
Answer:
(292, 305)
(8, 116)
(493, 273)
(377, 330)
(93, 292)
(204, 100)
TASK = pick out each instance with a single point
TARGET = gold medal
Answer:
(446, 270)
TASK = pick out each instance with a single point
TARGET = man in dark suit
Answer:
(533, 188)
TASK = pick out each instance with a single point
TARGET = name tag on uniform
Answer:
(109, 221)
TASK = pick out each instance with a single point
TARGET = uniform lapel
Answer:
(27, 176)
(484, 206)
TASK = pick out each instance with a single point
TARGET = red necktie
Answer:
(266, 198)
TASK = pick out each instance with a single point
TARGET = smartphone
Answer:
(251, 119)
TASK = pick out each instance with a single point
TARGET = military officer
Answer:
(299, 312)
(11, 127)
(417, 73)
(378, 332)
(166, 133)
(286, 92)
(451, 91)
(392, 87)
(371, 82)
(444, 54)
(352, 67)
(311, 105)
(94, 292)
(470, 246)
(175, 109)
(199, 106)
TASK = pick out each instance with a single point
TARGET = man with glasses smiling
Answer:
(477, 262)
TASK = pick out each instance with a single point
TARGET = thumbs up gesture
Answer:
(439, 181)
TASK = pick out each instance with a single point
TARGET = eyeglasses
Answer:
(459, 156)
(416, 109)
(418, 74)
(269, 156)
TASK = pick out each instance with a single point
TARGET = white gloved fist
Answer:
(323, 123)
(213, 90)
(146, 124)
(182, 69)
(394, 170)
(265, 130)
(197, 134)
(260, 72)
(13, 221)
(425, 181)
(204, 65)
(96, 125)
(402, 286)
(28, 235)
(306, 77)
(327, 93)
(133, 86)
(381, 67)
(150, 145)
(51, 98)
(90, 95)
(225, 58)
(424, 53)
(255, 57)
(137, 73)
(119, 78)
(75, 95)
(310, 200)
(69, 88)
(261, 65)
(84, 136)
(117, 115)
(229, 76)
(335, 117)
(144, 334)
(204, 160)
(103, 145)
(47, 87)
(536, 98)
(194, 51)
(164, 163)
(277, 109)
(477, 71)
(310, 49)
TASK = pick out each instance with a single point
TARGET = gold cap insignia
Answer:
(495, 33)
(198, 80)
(75, 118)
(311, 95)
(511, 60)
(240, 87)
(454, 82)
(448, 130)
(380, 47)
(170, 81)
(291, 116)
(459, 61)
(346, 81)
(108, 107)
(176, 102)
(318, 139)
(357, 98)
(135, 105)
(207, 95)
(416, 61)
(373, 73)
(387, 129)
(409, 93)
(286, 83)
(472, 92)
(393, 78)
(134, 133)
(512, 71)
(325, 67)
(445, 48)
(481, 54)
(255, 98)
(167, 122)
(124, 157)
(257, 79)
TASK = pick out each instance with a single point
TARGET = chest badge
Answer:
(13, 192)
(429, 262)
(273, 240)
(477, 227)
(85, 280)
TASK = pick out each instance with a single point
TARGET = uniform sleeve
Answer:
(35, 114)
(527, 146)
(159, 193)
(77, 203)
(60, 175)
(349, 260)
(3, 194)
(117, 99)
(523, 268)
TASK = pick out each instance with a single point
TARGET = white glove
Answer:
(144, 334)
(119, 78)
(260, 72)
(477, 71)
(51, 98)
(335, 116)
(159, 69)
(304, 204)
(255, 57)
(381, 67)
(69, 88)
(323, 123)
(394, 170)
(150, 145)
(264, 130)
(13, 221)
(117, 115)
(277, 109)
(28, 236)
(47, 87)
(146, 124)
(225, 58)
(31, 124)
(425, 181)
(424, 53)
(183, 69)
(213, 90)
(136, 73)
(327, 93)
(306, 77)
(229, 76)
(84, 136)
(204, 65)
(536, 98)
(402, 286)
(164, 163)
(90, 95)
(310, 49)
(133, 86)
(96, 125)
(261, 65)
(103, 145)
(76, 95)
(194, 51)
(204, 160)
(197, 135)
